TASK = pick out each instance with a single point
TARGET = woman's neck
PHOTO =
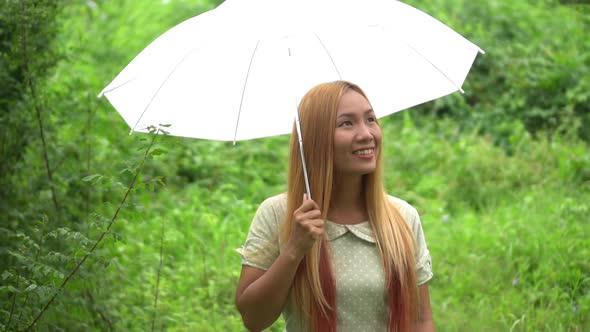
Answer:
(347, 202)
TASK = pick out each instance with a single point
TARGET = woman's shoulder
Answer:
(275, 200)
(276, 203)
(400, 203)
(406, 209)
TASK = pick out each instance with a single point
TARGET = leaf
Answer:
(157, 151)
(6, 275)
(10, 288)
(31, 287)
(90, 178)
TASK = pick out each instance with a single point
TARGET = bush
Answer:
(536, 69)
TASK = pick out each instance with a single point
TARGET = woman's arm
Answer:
(261, 295)
(425, 321)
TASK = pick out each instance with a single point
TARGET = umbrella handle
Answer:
(300, 139)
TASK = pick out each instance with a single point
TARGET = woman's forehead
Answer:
(353, 103)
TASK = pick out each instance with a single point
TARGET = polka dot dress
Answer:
(358, 271)
(360, 282)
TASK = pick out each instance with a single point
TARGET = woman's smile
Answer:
(365, 153)
(357, 136)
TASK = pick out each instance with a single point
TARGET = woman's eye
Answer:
(371, 119)
(345, 123)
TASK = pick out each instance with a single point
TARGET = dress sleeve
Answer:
(261, 247)
(423, 259)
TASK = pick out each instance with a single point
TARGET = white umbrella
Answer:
(238, 71)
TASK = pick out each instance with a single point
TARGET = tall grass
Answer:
(508, 233)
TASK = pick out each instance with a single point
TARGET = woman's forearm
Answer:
(425, 322)
(424, 326)
(262, 302)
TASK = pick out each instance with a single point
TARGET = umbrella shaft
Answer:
(300, 139)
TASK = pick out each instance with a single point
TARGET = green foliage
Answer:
(536, 69)
(508, 233)
(27, 30)
(500, 175)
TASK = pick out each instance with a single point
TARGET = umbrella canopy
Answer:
(238, 71)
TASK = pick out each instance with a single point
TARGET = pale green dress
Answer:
(358, 271)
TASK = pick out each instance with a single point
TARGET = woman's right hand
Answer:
(307, 227)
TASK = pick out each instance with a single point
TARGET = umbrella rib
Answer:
(244, 91)
(102, 93)
(436, 67)
(329, 55)
(160, 88)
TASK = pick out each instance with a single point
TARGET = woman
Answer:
(351, 259)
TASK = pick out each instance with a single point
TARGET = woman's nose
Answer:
(364, 133)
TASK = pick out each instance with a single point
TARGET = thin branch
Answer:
(158, 278)
(100, 238)
(13, 304)
(89, 306)
(24, 305)
(87, 192)
(33, 90)
(100, 312)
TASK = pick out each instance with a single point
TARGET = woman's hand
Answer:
(306, 229)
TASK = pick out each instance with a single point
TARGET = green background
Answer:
(500, 176)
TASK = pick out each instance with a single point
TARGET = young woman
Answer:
(353, 258)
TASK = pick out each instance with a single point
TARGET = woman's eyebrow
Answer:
(370, 110)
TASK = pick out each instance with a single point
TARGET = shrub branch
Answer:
(34, 96)
(102, 235)
(157, 292)
(13, 305)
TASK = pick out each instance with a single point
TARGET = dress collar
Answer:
(361, 230)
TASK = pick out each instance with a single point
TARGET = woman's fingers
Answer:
(310, 219)
(319, 223)
(306, 206)
(314, 228)
(308, 225)
(308, 215)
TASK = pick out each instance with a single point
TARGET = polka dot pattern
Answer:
(360, 284)
(360, 281)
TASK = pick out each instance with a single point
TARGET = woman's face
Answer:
(357, 138)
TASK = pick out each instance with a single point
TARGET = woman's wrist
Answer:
(293, 254)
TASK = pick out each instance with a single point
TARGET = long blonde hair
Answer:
(314, 285)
